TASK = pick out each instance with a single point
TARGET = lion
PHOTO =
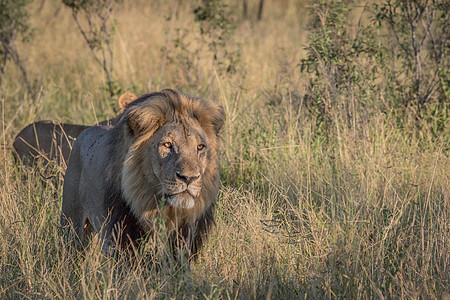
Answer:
(161, 159)
(51, 140)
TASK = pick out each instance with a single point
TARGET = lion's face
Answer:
(170, 152)
(178, 156)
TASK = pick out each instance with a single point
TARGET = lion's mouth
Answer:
(181, 200)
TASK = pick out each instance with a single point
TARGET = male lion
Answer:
(53, 140)
(164, 146)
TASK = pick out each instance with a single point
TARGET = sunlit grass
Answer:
(362, 215)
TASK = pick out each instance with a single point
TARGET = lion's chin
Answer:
(181, 200)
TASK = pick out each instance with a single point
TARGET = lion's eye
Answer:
(201, 147)
(168, 144)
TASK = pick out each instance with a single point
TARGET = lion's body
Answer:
(51, 140)
(164, 146)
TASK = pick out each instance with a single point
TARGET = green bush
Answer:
(343, 65)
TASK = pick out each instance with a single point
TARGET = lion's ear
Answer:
(210, 115)
(213, 114)
(141, 121)
(133, 124)
(218, 118)
(126, 99)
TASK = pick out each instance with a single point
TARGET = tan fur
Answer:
(51, 140)
(125, 99)
(163, 148)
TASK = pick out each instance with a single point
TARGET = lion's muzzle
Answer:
(184, 189)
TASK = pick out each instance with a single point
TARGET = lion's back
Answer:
(93, 143)
(46, 138)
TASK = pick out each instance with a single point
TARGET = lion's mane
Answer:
(127, 190)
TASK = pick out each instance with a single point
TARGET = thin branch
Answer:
(391, 22)
(98, 38)
(12, 52)
(74, 14)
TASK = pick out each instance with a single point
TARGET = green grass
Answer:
(361, 214)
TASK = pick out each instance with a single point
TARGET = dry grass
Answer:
(363, 217)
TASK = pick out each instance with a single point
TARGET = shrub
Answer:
(421, 34)
(342, 65)
(216, 28)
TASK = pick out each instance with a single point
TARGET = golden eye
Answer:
(201, 147)
(168, 144)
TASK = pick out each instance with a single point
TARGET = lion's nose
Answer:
(187, 178)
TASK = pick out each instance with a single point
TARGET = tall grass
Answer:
(361, 214)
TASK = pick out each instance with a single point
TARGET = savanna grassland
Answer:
(335, 158)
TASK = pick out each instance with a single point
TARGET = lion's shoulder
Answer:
(90, 153)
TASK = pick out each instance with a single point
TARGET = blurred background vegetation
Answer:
(335, 152)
